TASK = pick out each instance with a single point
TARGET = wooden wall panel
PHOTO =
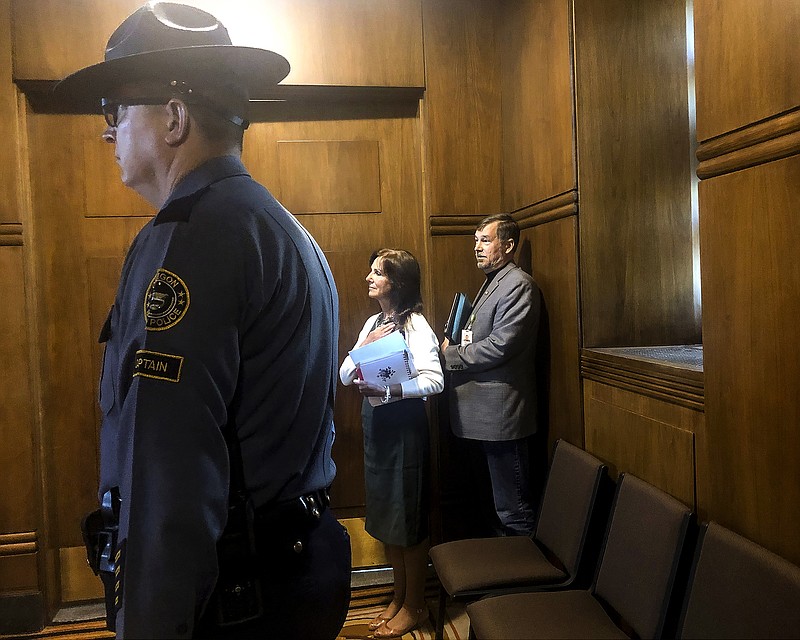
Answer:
(454, 270)
(652, 439)
(553, 259)
(9, 172)
(20, 504)
(105, 195)
(454, 505)
(78, 582)
(18, 571)
(537, 103)
(330, 176)
(746, 61)
(751, 301)
(59, 183)
(634, 174)
(349, 240)
(19, 508)
(350, 42)
(462, 118)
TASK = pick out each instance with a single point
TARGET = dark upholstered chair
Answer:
(632, 588)
(740, 590)
(470, 568)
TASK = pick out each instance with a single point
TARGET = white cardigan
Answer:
(424, 347)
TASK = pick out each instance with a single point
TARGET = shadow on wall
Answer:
(539, 443)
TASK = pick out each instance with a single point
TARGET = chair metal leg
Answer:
(443, 599)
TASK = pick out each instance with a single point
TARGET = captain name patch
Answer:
(161, 366)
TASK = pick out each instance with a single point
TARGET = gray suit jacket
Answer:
(493, 383)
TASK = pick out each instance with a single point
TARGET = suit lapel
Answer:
(486, 291)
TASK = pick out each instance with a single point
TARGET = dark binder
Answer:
(459, 313)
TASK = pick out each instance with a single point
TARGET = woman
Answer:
(396, 440)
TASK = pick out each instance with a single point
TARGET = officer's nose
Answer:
(109, 135)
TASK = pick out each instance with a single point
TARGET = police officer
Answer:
(220, 355)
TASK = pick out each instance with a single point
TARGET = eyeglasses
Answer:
(111, 107)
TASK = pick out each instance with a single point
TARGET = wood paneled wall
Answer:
(636, 234)
(462, 121)
(21, 553)
(81, 220)
(537, 102)
(580, 130)
(499, 123)
(747, 119)
(346, 43)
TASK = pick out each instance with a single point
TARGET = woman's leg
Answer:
(395, 556)
(413, 611)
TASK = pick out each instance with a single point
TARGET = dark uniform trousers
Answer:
(305, 569)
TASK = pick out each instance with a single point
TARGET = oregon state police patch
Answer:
(166, 301)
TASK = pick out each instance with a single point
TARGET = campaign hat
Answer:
(171, 41)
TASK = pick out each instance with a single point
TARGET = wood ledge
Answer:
(12, 544)
(555, 208)
(765, 141)
(11, 234)
(671, 379)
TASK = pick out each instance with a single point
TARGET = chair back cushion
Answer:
(643, 547)
(740, 590)
(567, 504)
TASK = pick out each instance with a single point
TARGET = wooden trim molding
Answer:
(40, 95)
(649, 371)
(455, 225)
(555, 208)
(12, 544)
(10, 234)
(772, 139)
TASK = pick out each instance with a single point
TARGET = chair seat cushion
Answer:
(490, 563)
(552, 614)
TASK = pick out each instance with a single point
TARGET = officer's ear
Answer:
(177, 122)
(509, 247)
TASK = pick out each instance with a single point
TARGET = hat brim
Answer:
(259, 70)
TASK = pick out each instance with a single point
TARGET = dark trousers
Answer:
(306, 594)
(510, 473)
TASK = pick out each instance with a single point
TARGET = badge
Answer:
(466, 337)
(166, 301)
(161, 366)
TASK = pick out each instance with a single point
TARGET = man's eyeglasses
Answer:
(111, 107)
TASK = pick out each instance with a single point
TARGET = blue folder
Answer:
(459, 313)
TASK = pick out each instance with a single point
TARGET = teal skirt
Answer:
(397, 471)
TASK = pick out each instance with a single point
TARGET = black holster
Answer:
(237, 596)
(99, 529)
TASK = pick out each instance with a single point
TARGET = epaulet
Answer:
(179, 209)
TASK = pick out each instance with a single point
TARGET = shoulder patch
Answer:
(166, 301)
(161, 366)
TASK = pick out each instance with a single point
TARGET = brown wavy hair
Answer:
(402, 270)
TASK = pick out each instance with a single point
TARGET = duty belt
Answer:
(302, 511)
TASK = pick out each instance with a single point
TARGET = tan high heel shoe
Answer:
(385, 631)
(377, 622)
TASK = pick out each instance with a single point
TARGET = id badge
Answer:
(466, 337)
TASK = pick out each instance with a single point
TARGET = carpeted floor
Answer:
(456, 624)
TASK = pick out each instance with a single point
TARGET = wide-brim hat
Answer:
(170, 41)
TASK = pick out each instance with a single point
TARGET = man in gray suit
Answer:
(492, 381)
